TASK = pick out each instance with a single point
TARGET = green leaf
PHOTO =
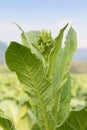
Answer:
(30, 72)
(26, 119)
(10, 108)
(64, 105)
(77, 120)
(5, 122)
(20, 114)
(29, 40)
(32, 36)
(56, 51)
(62, 71)
(64, 60)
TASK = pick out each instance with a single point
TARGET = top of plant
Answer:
(45, 42)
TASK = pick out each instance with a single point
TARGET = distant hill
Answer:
(78, 67)
(80, 55)
(3, 47)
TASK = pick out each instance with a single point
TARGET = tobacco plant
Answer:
(42, 64)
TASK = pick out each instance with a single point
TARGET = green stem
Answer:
(47, 124)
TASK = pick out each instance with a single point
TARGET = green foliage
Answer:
(5, 122)
(42, 66)
(77, 120)
(17, 116)
(10, 88)
(79, 89)
(11, 96)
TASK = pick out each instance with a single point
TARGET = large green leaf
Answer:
(77, 120)
(64, 105)
(56, 51)
(61, 74)
(5, 122)
(64, 60)
(30, 72)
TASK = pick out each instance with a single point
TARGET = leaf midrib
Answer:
(38, 93)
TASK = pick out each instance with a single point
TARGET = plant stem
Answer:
(47, 124)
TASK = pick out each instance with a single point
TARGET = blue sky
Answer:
(37, 14)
